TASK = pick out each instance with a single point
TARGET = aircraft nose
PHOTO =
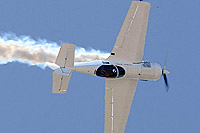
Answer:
(158, 71)
(166, 72)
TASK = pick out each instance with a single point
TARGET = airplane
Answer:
(121, 70)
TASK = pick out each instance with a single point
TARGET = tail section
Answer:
(63, 71)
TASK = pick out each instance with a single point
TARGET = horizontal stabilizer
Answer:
(60, 83)
(65, 56)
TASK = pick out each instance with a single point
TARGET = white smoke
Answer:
(36, 52)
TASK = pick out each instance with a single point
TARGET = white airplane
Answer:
(122, 69)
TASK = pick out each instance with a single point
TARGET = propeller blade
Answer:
(166, 82)
(165, 64)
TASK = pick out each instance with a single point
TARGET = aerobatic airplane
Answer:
(122, 69)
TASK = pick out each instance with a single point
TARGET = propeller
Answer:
(164, 74)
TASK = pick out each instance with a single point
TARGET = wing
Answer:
(60, 83)
(118, 99)
(129, 45)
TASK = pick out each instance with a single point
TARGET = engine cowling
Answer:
(150, 71)
(143, 71)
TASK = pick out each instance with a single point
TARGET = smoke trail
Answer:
(36, 52)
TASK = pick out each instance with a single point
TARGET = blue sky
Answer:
(27, 104)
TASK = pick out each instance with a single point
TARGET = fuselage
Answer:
(140, 71)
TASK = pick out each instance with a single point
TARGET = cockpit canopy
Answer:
(110, 71)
